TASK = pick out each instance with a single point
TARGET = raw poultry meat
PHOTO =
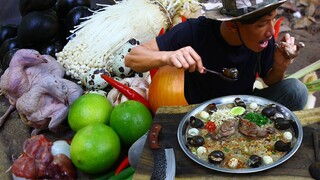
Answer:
(46, 104)
(14, 81)
(50, 67)
(44, 101)
(34, 84)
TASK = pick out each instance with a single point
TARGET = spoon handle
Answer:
(211, 71)
(315, 135)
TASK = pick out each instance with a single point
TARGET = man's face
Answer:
(255, 36)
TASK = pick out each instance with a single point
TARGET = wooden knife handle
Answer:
(153, 136)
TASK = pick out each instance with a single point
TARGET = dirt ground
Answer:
(308, 55)
(308, 33)
(305, 29)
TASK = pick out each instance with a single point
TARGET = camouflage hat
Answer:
(241, 9)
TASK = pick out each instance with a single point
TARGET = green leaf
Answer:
(302, 72)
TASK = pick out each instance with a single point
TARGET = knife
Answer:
(164, 159)
(135, 150)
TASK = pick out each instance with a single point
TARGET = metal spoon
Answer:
(314, 168)
(229, 74)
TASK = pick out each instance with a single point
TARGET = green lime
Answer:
(130, 119)
(237, 111)
(95, 148)
(87, 109)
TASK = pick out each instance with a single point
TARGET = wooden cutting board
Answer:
(169, 117)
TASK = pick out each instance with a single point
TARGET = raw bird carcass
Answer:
(35, 86)
(98, 39)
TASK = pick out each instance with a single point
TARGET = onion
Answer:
(14, 177)
(167, 88)
(60, 147)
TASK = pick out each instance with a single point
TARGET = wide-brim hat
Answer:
(241, 9)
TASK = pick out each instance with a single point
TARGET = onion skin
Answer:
(167, 88)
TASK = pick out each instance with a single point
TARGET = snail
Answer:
(287, 51)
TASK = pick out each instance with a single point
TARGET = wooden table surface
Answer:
(13, 133)
(169, 117)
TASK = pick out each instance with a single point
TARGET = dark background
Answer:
(9, 10)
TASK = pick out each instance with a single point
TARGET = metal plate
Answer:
(182, 128)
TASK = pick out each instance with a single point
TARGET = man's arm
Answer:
(281, 61)
(147, 56)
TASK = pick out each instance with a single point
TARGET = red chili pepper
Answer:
(210, 126)
(153, 72)
(125, 90)
(183, 18)
(257, 75)
(161, 31)
(124, 163)
(277, 27)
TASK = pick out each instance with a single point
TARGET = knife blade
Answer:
(135, 150)
(164, 166)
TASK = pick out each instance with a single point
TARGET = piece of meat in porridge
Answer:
(252, 130)
(226, 129)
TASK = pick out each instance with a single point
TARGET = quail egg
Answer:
(204, 115)
(287, 136)
(267, 160)
(253, 106)
(201, 151)
(193, 132)
(118, 67)
(233, 163)
(92, 80)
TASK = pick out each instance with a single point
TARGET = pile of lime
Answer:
(130, 119)
(87, 109)
(101, 130)
(237, 111)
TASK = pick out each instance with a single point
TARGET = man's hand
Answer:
(286, 51)
(186, 58)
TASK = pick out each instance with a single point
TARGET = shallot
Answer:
(60, 147)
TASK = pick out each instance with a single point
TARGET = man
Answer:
(238, 35)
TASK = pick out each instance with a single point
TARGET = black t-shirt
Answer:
(204, 36)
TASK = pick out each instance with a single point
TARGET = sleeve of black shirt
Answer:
(177, 37)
